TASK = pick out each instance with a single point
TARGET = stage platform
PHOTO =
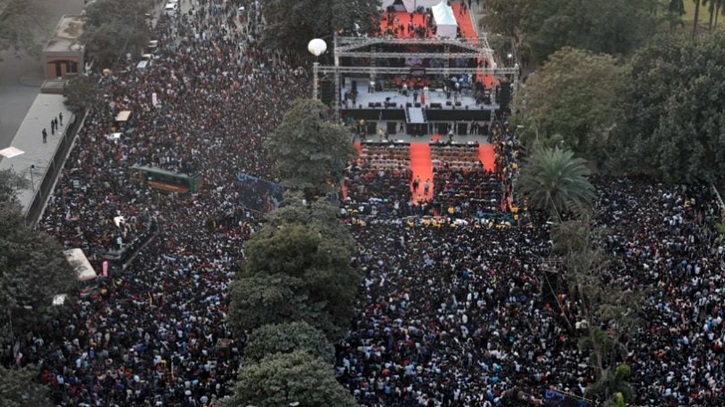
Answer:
(435, 98)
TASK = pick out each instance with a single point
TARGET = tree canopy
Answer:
(554, 180)
(294, 273)
(80, 93)
(317, 214)
(287, 338)
(114, 28)
(19, 388)
(33, 270)
(574, 95)
(291, 24)
(286, 378)
(310, 152)
(10, 183)
(674, 117)
(20, 22)
(539, 28)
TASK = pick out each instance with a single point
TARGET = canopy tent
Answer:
(410, 5)
(445, 19)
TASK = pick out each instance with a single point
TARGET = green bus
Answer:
(166, 181)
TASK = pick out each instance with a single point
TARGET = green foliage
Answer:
(20, 23)
(114, 28)
(571, 236)
(10, 183)
(614, 387)
(19, 388)
(720, 228)
(603, 26)
(555, 181)
(294, 273)
(33, 270)
(287, 338)
(310, 152)
(673, 112)
(575, 95)
(286, 378)
(291, 24)
(80, 93)
(316, 214)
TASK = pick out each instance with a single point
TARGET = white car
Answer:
(145, 62)
(171, 9)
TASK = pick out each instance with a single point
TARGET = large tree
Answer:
(21, 24)
(607, 313)
(287, 338)
(293, 273)
(573, 95)
(20, 388)
(309, 150)
(114, 28)
(673, 112)
(10, 183)
(33, 270)
(290, 379)
(80, 93)
(542, 27)
(554, 180)
(291, 24)
(317, 214)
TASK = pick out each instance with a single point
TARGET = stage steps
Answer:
(415, 115)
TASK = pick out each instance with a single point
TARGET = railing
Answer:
(55, 166)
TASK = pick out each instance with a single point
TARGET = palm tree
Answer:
(697, 17)
(710, 9)
(675, 11)
(716, 8)
(554, 180)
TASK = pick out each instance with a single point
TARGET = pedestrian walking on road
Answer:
(45, 136)
(60, 116)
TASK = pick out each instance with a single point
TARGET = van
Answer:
(171, 9)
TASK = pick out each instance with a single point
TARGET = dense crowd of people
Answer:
(454, 310)
(156, 334)
(457, 313)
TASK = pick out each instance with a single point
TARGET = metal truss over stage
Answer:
(382, 48)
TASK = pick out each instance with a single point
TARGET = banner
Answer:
(259, 194)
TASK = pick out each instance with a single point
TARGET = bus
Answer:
(87, 284)
(165, 181)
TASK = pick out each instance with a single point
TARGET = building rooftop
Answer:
(28, 156)
(66, 35)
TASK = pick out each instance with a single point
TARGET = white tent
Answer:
(446, 25)
(411, 5)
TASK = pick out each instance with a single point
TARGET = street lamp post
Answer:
(317, 47)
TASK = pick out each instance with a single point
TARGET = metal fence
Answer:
(55, 166)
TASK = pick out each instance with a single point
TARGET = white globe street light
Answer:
(317, 47)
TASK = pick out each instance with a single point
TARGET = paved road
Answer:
(21, 75)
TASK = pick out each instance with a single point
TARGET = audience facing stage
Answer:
(440, 178)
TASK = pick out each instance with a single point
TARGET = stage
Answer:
(433, 99)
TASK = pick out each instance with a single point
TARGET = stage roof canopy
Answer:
(445, 20)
